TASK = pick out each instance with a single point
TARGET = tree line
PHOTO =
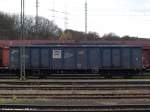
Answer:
(10, 28)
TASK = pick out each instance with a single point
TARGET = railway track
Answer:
(80, 81)
(74, 84)
(77, 96)
(73, 76)
(55, 76)
(76, 89)
(99, 108)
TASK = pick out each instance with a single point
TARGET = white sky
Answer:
(123, 17)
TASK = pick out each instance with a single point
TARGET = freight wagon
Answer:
(102, 59)
(4, 57)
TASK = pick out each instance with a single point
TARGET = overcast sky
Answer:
(123, 17)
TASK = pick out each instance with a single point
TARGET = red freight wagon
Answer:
(146, 58)
(5, 56)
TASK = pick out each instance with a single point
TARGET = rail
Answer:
(64, 108)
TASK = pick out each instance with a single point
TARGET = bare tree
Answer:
(7, 26)
(10, 28)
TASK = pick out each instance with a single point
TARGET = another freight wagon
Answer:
(102, 59)
(4, 57)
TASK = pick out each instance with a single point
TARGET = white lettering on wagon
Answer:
(57, 54)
